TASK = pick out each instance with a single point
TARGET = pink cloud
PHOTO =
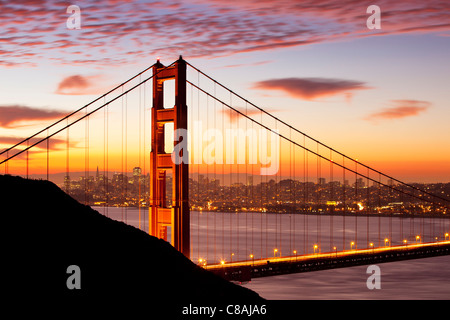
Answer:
(311, 88)
(79, 85)
(233, 116)
(401, 109)
(200, 28)
(259, 63)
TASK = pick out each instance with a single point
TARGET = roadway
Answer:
(317, 261)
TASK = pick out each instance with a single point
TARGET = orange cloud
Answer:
(311, 88)
(15, 115)
(53, 143)
(79, 85)
(401, 109)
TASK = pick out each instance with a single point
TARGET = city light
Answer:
(360, 206)
(315, 248)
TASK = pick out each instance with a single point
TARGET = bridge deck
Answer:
(245, 270)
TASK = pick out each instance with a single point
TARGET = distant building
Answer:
(359, 183)
(67, 183)
(137, 171)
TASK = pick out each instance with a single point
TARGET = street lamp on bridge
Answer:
(202, 262)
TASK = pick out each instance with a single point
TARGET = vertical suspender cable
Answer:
(86, 159)
(28, 158)
(367, 209)
(48, 157)
(291, 199)
(231, 188)
(379, 215)
(67, 159)
(105, 176)
(121, 159)
(214, 197)
(356, 199)
(107, 161)
(207, 186)
(306, 183)
(198, 169)
(139, 156)
(126, 158)
(277, 244)
(237, 196)
(246, 183)
(331, 198)
(318, 198)
(265, 214)
(144, 106)
(192, 156)
(344, 202)
(223, 185)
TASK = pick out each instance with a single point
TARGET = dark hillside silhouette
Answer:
(44, 231)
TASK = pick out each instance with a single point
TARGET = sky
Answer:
(379, 95)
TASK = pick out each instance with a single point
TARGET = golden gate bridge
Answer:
(241, 192)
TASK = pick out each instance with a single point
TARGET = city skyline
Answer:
(263, 194)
